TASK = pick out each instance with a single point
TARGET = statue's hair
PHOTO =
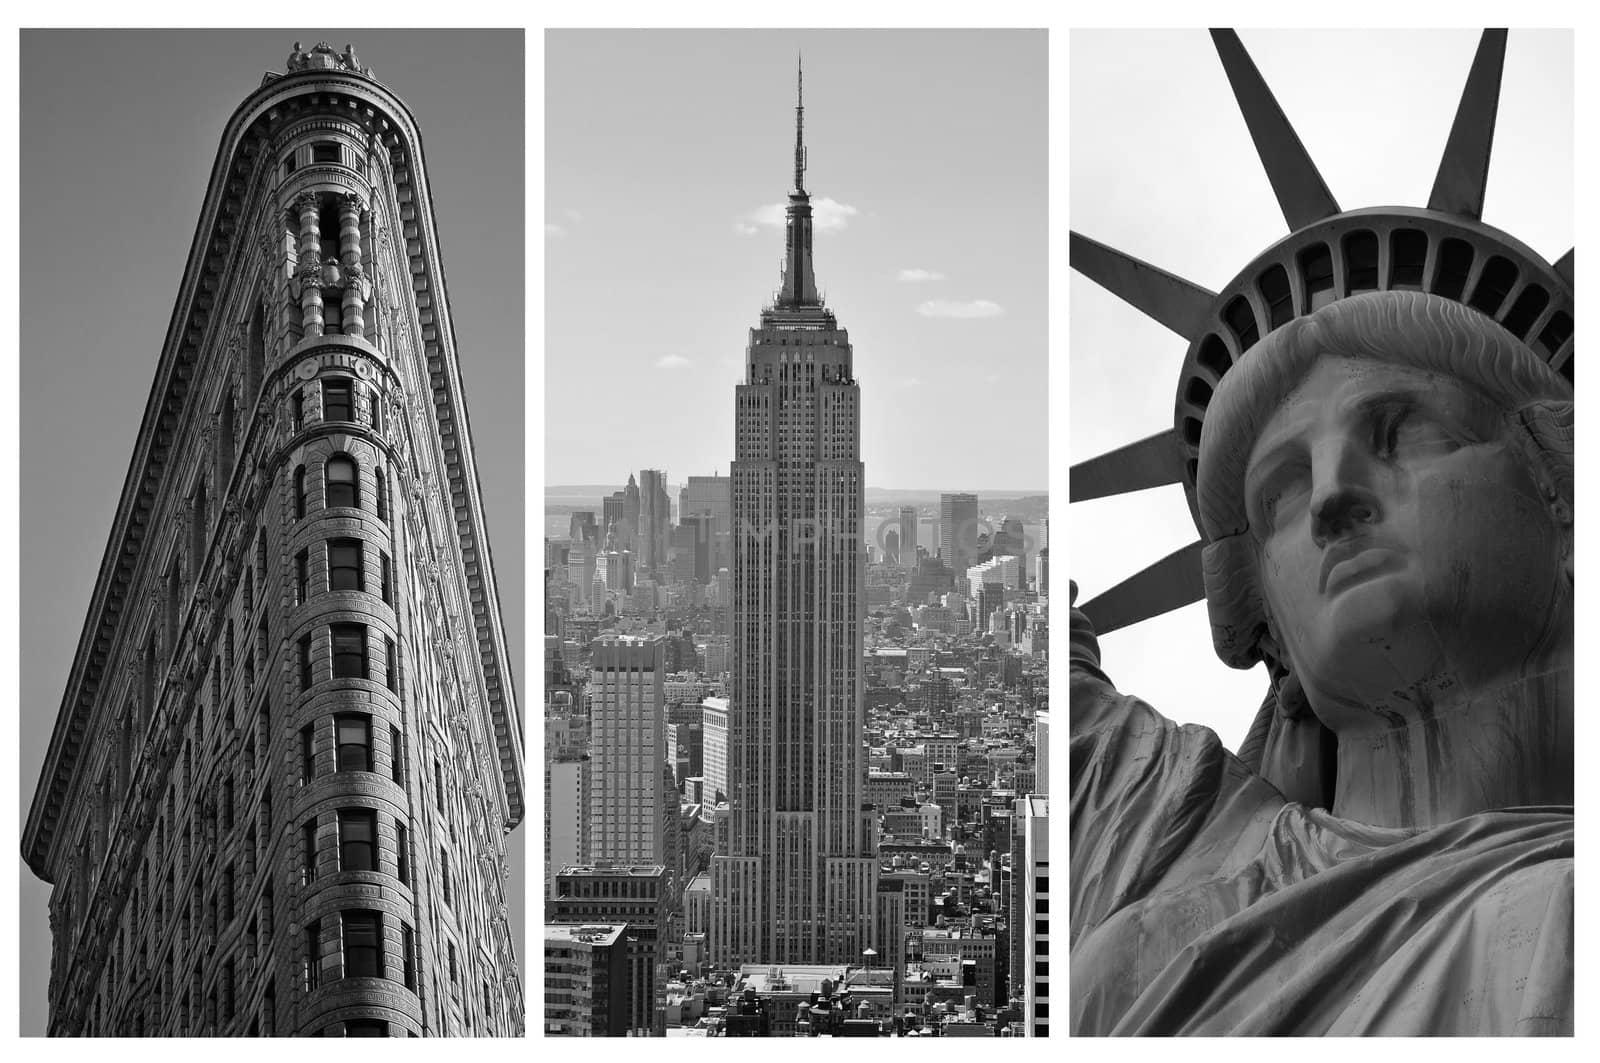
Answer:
(1411, 329)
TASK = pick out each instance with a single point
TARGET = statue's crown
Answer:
(1330, 254)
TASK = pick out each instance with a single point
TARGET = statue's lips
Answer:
(1345, 564)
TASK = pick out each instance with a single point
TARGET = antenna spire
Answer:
(799, 124)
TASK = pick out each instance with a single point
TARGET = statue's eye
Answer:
(1279, 495)
(1404, 429)
(1386, 429)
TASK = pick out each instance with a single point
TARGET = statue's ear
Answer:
(1549, 429)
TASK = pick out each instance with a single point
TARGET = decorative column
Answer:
(310, 271)
(353, 303)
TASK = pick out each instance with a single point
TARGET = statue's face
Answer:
(1404, 542)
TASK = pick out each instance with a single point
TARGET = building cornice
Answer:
(222, 222)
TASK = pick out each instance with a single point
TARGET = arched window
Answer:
(341, 483)
(299, 491)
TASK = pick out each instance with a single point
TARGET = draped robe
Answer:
(1204, 902)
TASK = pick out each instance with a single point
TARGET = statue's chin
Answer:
(1369, 650)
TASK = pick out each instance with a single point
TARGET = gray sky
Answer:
(1163, 168)
(118, 133)
(668, 154)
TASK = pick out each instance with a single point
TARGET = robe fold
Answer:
(1203, 902)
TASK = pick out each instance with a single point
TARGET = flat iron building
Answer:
(276, 798)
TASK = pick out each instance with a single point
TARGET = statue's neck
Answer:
(1440, 755)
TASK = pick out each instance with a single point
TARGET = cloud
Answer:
(827, 215)
(971, 308)
(909, 382)
(914, 276)
(672, 361)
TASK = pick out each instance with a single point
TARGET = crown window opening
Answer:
(1274, 288)
(1408, 257)
(325, 152)
(1213, 355)
(1455, 263)
(1361, 262)
(1241, 321)
(1555, 335)
(1526, 310)
(1499, 277)
(1316, 271)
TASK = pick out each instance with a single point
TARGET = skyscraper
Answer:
(655, 522)
(908, 537)
(277, 793)
(958, 531)
(627, 718)
(799, 882)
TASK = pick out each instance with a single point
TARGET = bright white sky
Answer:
(668, 156)
(1163, 168)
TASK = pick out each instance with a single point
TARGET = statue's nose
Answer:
(1342, 495)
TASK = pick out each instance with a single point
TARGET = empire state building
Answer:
(799, 882)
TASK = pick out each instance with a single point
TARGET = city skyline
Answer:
(90, 94)
(851, 742)
(940, 254)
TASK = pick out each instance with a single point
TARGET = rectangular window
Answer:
(438, 785)
(391, 670)
(349, 651)
(397, 754)
(408, 961)
(302, 577)
(297, 410)
(308, 753)
(384, 583)
(308, 835)
(454, 974)
(324, 153)
(313, 954)
(363, 944)
(444, 874)
(358, 832)
(336, 399)
(344, 565)
(305, 662)
(355, 742)
(402, 853)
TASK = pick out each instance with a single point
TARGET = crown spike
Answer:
(1180, 305)
(1173, 582)
(1302, 194)
(1564, 266)
(1154, 461)
(1464, 167)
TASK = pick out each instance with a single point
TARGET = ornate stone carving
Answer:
(324, 57)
